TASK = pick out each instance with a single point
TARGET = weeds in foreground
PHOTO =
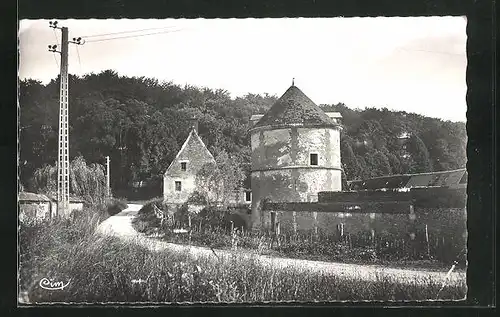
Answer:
(106, 269)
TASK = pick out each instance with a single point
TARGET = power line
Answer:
(55, 60)
(57, 42)
(131, 36)
(55, 35)
(123, 32)
(79, 60)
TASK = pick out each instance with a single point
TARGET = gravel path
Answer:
(120, 225)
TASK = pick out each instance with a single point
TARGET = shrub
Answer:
(146, 219)
(115, 206)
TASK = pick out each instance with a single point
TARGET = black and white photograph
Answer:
(256, 160)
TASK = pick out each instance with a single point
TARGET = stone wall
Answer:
(34, 212)
(443, 221)
(441, 226)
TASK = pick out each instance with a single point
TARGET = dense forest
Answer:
(141, 124)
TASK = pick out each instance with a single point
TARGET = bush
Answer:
(115, 206)
(146, 219)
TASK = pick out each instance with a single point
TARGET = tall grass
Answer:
(107, 269)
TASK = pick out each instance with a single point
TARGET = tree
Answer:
(395, 163)
(141, 123)
(218, 182)
(349, 161)
(420, 156)
(88, 181)
(381, 166)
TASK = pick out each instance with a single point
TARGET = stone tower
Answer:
(295, 153)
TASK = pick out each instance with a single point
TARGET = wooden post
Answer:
(278, 232)
(294, 223)
(427, 241)
(315, 215)
(232, 235)
(108, 188)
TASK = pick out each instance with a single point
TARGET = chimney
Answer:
(193, 124)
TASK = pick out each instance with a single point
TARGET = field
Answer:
(111, 269)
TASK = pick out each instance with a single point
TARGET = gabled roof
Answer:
(440, 178)
(26, 196)
(335, 115)
(32, 197)
(256, 117)
(195, 144)
(294, 108)
(72, 199)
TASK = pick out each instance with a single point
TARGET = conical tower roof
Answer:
(295, 108)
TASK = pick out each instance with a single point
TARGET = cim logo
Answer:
(47, 284)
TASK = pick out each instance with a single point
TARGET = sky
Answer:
(406, 64)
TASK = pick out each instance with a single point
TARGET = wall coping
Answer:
(296, 167)
(335, 126)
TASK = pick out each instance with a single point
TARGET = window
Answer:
(178, 186)
(314, 159)
(248, 196)
(183, 166)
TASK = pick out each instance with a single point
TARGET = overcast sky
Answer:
(411, 64)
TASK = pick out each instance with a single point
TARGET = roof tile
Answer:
(294, 107)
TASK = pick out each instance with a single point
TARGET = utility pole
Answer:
(63, 137)
(108, 188)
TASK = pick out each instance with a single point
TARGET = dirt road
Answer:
(120, 225)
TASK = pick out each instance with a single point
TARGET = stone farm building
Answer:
(295, 153)
(37, 207)
(179, 181)
(451, 179)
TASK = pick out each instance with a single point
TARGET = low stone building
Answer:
(35, 208)
(75, 204)
(452, 179)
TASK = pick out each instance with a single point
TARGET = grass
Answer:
(107, 269)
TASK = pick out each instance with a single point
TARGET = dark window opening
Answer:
(248, 196)
(183, 166)
(314, 159)
(178, 186)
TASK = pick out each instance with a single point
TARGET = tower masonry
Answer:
(295, 153)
